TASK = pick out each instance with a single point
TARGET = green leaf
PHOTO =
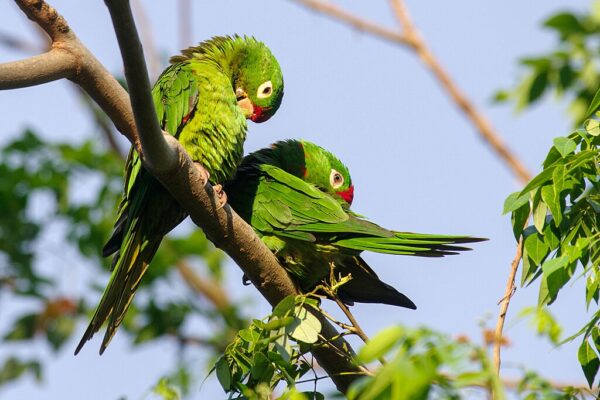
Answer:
(594, 105)
(538, 85)
(285, 306)
(166, 391)
(278, 323)
(555, 274)
(223, 374)
(539, 216)
(589, 361)
(519, 218)
(550, 236)
(592, 126)
(307, 327)
(536, 248)
(529, 268)
(591, 289)
(551, 200)
(565, 23)
(565, 146)
(261, 370)
(539, 179)
(514, 201)
(380, 344)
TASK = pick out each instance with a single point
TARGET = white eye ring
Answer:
(336, 179)
(265, 90)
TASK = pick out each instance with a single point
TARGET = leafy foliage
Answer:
(570, 69)
(564, 204)
(423, 364)
(271, 351)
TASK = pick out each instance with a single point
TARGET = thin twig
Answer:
(510, 285)
(482, 124)
(356, 328)
(411, 39)
(356, 22)
(208, 288)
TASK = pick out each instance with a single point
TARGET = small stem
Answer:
(510, 285)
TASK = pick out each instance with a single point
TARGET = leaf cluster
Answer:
(570, 69)
(563, 242)
(272, 351)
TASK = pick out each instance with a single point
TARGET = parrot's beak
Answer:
(244, 103)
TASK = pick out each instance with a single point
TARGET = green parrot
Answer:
(203, 98)
(297, 197)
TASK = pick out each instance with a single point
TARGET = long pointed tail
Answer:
(366, 287)
(413, 244)
(130, 264)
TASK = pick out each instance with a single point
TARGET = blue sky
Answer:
(416, 163)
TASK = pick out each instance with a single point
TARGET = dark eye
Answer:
(336, 179)
(264, 90)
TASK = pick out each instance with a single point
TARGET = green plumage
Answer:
(296, 195)
(203, 99)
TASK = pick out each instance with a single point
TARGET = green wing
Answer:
(175, 96)
(285, 205)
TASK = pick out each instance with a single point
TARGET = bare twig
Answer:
(355, 328)
(356, 22)
(510, 286)
(208, 288)
(166, 159)
(411, 38)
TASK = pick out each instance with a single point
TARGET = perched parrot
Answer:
(203, 98)
(297, 197)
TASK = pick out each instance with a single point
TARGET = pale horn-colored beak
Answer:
(244, 103)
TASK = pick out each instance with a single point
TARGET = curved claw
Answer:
(221, 195)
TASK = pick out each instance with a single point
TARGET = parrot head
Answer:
(327, 172)
(258, 81)
(315, 165)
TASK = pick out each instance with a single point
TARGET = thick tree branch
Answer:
(185, 180)
(36, 70)
(411, 38)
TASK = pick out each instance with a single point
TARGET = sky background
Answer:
(417, 164)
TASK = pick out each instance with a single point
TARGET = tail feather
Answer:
(366, 287)
(130, 263)
(407, 243)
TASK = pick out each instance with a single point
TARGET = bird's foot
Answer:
(221, 195)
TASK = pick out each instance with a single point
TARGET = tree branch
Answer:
(339, 14)
(88, 72)
(36, 70)
(411, 39)
(510, 287)
(184, 179)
